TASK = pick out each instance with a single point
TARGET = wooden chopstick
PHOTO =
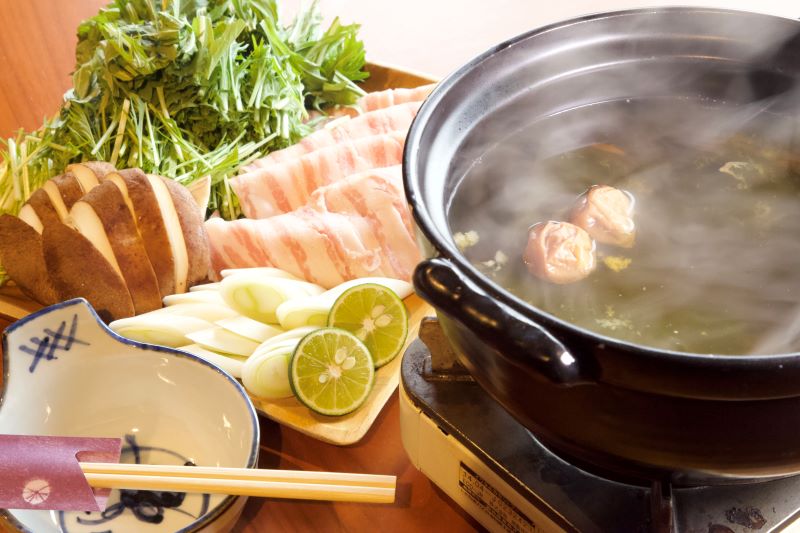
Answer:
(294, 484)
(366, 480)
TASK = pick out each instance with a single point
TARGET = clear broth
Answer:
(716, 264)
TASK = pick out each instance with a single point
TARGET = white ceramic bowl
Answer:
(169, 407)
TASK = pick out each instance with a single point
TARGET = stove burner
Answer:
(661, 509)
(574, 499)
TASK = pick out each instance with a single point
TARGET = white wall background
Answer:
(436, 36)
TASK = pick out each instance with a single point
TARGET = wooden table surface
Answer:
(37, 43)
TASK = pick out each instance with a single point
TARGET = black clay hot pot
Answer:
(616, 407)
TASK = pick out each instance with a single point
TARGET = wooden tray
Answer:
(348, 429)
(343, 430)
(15, 305)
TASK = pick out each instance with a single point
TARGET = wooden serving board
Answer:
(348, 429)
(343, 430)
(15, 305)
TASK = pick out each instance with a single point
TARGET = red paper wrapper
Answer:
(43, 472)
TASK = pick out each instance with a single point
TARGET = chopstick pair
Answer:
(58, 473)
(294, 484)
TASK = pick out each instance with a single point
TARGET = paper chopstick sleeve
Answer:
(39, 472)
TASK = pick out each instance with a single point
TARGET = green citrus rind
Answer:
(320, 374)
(356, 310)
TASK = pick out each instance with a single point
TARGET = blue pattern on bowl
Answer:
(51, 341)
(146, 506)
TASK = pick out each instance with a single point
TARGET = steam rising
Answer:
(711, 153)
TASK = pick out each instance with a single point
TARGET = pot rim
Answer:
(441, 238)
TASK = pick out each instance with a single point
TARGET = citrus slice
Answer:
(374, 314)
(331, 371)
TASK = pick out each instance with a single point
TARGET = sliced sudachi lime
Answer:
(374, 314)
(331, 372)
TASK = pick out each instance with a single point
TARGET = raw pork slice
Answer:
(369, 234)
(373, 101)
(386, 120)
(378, 197)
(389, 97)
(286, 186)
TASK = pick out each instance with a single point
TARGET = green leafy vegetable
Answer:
(187, 89)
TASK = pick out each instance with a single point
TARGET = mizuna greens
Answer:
(187, 89)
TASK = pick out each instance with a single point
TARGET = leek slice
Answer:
(229, 363)
(166, 330)
(249, 328)
(221, 340)
(258, 296)
(266, 375)
(291, 335)
(309, 311)
(206, 311)
(207, 297)
(313, 310)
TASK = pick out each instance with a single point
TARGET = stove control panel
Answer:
(461, 475)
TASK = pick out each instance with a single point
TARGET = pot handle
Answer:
(442, 285)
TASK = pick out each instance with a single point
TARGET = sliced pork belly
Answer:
(321, 247)
(380, 121)
(378, 197)
(373, 101)
(389, 97)
(286, 186)
(359, 226)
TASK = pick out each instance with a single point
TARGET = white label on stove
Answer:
(493, 503)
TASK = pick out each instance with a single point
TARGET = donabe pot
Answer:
(617, 407)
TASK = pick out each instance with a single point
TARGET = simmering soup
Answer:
(715, 266)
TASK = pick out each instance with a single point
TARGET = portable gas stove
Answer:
(495, 469)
